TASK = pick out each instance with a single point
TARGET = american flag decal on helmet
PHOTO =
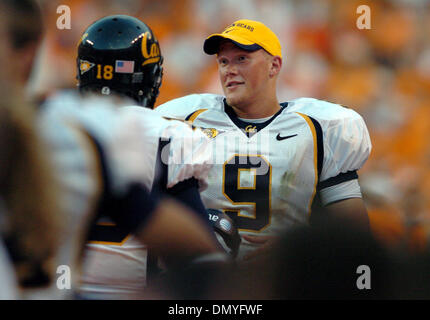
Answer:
(122, 66)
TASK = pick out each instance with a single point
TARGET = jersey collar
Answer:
(250, 128)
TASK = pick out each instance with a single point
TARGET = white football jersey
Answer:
(117, 265)
(76, 165)
(266, 175)
(90, 139)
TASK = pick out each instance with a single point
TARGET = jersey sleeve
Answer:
(347, 146)
(184, 107)
(188, 155)
(131, 151)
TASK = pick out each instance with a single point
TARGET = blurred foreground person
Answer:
(334, 261)
(103, 175)
(30, 222)
(98, 168)
(33, 223)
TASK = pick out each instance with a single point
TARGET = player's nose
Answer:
(230, 69)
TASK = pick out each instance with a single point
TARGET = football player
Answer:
(120, 56)
(29, 216)
(272, 158)
(97, 172)
(103, 171)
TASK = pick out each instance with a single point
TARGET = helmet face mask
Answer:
(120, 54)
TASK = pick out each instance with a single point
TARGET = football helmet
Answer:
(120, 54)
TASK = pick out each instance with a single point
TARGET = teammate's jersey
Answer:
(83, 136)
(117, 265)
(76, 166)
(266, 175)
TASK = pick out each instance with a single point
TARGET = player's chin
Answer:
(233, 99)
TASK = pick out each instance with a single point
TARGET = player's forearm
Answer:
(187, 193)
(183, 239)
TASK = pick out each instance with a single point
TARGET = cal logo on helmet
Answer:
(153, 55)
(82, 39)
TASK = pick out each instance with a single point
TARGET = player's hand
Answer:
(266, 244)
(225, 231)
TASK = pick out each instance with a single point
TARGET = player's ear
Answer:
(275, 67)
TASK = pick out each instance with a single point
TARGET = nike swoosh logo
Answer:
(279, 138)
